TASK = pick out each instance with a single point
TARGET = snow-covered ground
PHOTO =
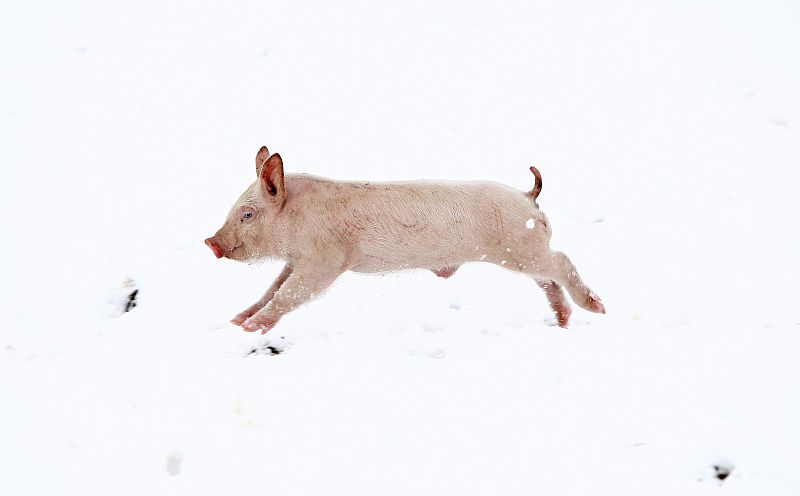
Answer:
(667, 135)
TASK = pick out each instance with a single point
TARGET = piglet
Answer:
(321, 228)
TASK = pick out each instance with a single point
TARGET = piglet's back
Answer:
(395, 225)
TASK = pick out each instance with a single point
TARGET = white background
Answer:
(667, 135)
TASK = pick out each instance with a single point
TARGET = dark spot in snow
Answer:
(131, 303)
(266, 349)
(722, 471)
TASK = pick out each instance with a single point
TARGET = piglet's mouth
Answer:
(220, 251)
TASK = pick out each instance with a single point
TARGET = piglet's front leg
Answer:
(261, 303)
(299, 287)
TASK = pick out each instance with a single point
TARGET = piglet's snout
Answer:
(218, 251)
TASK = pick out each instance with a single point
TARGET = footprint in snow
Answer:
(268, 347)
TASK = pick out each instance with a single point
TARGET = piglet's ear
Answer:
(261, 157)
(272, 178)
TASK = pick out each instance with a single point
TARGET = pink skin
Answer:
(218, 252)
(322, 228)
(558, 302)
(254, 308)
(446, 272)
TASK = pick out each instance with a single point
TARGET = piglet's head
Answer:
(248, 224)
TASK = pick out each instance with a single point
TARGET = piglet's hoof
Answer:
(594, 303)
(562, 316)
(253, 325)
(239, 319)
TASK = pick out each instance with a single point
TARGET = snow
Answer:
(666, 135)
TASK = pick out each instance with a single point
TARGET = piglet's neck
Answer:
(282, 239)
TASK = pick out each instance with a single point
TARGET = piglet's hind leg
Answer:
(558, 267)
(558, 301)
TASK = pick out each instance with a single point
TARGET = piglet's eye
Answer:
(247, 215)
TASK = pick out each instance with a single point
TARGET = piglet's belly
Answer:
(373, 264)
